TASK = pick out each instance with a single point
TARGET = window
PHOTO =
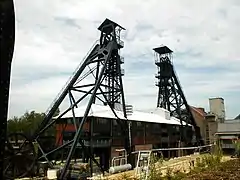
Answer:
(139, 124)
(156, 127)
(163, 125)
(70, 120)
(67, 136)
(117, 132)
(139, 133)
(101, 121)
(115, 122)
(67, 120)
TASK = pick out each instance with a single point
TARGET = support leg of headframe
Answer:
(106, 58)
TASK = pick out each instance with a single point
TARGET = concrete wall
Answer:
(212, 130)
(229, 127)
(213, 126)
(217, 107)
(208, 124)
(227, 132)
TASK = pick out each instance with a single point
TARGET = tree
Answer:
(29, 122)
(236, 143)
(13, 125)
(26, 123)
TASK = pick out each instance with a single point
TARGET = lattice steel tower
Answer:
(97, 78)
(171, 96)
(113, 72)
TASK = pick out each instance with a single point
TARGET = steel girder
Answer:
(97, 78)
(102, 63)
(171, 96)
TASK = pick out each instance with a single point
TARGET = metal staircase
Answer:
(207, 134)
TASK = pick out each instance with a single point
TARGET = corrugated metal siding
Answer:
(228, 137)
(232, 121)
(229, 127)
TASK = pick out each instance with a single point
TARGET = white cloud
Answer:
(53, 36)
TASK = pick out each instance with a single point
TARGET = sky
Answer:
(52, 37)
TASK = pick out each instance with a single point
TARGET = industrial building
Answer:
(217, 107)
(227, 132)
(149, 130)
(153, 130)
(209, 121)
(214, 125)
(199, 115)
(214, 117)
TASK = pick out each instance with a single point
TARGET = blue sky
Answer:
(53, 36)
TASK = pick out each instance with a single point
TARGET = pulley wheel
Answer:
(20, 155)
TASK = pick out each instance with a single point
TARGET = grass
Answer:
(209, 166)
(202, 168)
(237, 147)
(225, 170)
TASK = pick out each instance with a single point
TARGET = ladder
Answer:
(143, 163)
(207, 134)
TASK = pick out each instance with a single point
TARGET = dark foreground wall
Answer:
(7, 38)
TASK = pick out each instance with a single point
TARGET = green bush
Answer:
(154, 173)
(237, 147)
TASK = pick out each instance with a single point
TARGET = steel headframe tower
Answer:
(86, 85)
(171, 96)
(7, 39)
(106, 58)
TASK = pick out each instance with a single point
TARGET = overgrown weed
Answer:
(206, 162)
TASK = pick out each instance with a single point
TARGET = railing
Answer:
(98, 143)
(157, 74)
(121, 59)
(65, 142)
(174, 149)
(122, 72)
(94, 143)
(120, 42)
(178, 80)
(129, 109)
(157, 60)
(121, 159)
